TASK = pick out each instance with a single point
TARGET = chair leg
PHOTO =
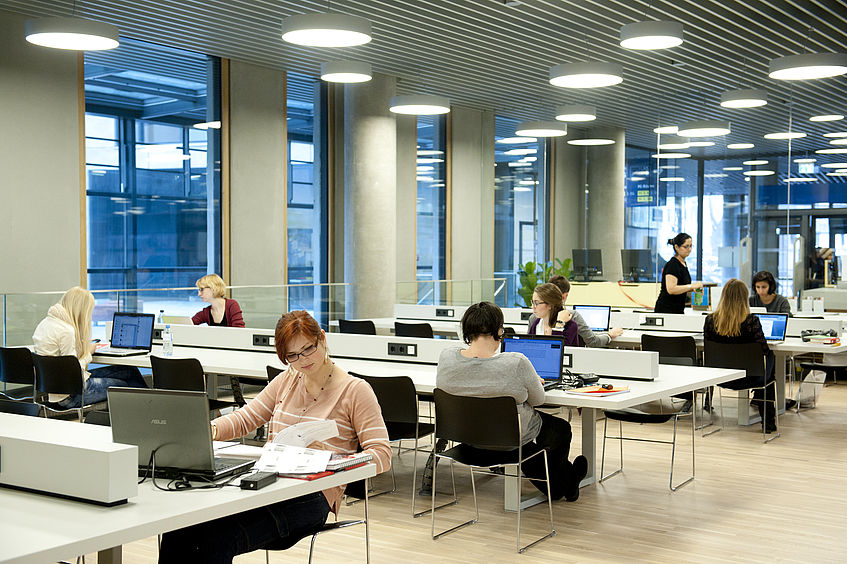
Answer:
(707, 392)
(455, 500)
(552, 532)
(716, 429)
(673, 452)
(765, 403)
(603, 477)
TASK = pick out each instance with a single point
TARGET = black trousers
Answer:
(555, 436)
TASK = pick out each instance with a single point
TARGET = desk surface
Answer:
(790, 344)
(38, 528)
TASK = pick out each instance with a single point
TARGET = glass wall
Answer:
(521, 230)
(431, 217)
(152, 136)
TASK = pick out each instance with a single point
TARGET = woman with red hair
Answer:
(312, 388)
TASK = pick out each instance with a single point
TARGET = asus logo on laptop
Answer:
(158, 421)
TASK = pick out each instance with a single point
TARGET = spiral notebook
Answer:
(342, 461)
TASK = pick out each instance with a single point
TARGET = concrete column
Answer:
(407, 198)
(606, 199)
(370, 212)
(568, 199)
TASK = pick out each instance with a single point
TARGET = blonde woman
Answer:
(221, 312)
(66, 331)
(732, 322)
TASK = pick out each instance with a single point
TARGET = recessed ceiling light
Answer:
(576, 112)
(834, 165)
(428, 152)
(419, 104)
(326, 30)
(592, 141)
(72, 33)
(842, 141)
(704, 128)
(651, 35)
(672, 179)
(541, 129)
(836, 134)
(833, 151)
(740, 146)
(755, 162)
(827, 117)
(521, 152)
(805, 160)
(837, 173)
(808, 66)
(701, 143)
(671, 156)
(666, 129)
(668, 167)
(641, 172)
(744, 98)
(517, 164)
(785, 135)
(800, 179)
(429, 160)
(733, 168)
(758, 172)
(590, 74)
(207, 125)
(347, 72)
(715, 175)
(529, 159)
(517, 140)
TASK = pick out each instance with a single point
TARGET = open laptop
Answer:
(596, 317)
(774, 326)
(544, 352)
(174, 424)
(132, 334)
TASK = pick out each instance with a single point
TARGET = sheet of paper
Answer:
(237, 450)
(286, 459)
(307, 432)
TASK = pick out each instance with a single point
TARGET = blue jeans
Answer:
(277, 527)
(100, 380)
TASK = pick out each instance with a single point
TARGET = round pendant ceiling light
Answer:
(827, 117)
(591, 141)
(420, 105)
(755, 162)
(842, 141)
(651, 35)
(348, 72)
(834, 165)
(665, 129)
(541, 129)
(590, 74)
(805, 160)
(758, 172)
(785, 135)
(740, 146)
(808, 66)
(836, 134)
(672, 179)
(744, 98)
(800, 179)
(832, 151)
(516, 140)
(326, 30)
(705, 128)
(72, 33)
(576, 112)
(670, 155)
(673, 142)
(733, 168)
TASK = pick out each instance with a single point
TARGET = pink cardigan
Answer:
(232, 311)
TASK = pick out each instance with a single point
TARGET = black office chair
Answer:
(485, 423)
(422, 330)
(16, 368)
(362, 327)
(399, 404)
(183, 374)
(19, 408)
(636, 416)
(747, 357)
(58, 375)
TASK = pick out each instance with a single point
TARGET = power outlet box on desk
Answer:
(440, 312)
(157, 334)
(654, 322)
(525, 315)
(263, 341)
(402, 349)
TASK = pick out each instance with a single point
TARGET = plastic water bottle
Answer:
(167, 341)
(161, 315)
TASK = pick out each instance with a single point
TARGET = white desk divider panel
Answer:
(66, 459)
(619, 363)
(692, 323)
(798, 324)
(380, 347)
(516, 315)
(236, 338)
(429, 312)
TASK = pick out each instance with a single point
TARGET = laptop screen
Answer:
(774, 325)
(544, 353)
(596, 317)
(132, 330)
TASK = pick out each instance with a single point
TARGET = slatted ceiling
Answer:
(484, 55)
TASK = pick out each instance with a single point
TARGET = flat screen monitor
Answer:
(637, 264)
(587, 263)
(544, 352)
(596, 317)
(774, 325)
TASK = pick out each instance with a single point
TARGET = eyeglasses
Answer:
(308, 351)
(536, 303)
(688, 246)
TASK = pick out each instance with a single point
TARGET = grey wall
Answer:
(39, 159)
(407, 200)
(257, 241)
(568, 198)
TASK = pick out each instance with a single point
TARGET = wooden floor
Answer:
(785, 501)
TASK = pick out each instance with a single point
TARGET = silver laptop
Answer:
(132, 334)
(596, 317)
(774, 326)
(175, 425)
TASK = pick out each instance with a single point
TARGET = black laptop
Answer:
(174, 424)
(545, 353)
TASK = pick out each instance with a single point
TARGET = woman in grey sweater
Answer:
(480, 371)
(766, 296)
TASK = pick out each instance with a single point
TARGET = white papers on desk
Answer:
(236, 450)
(307, 432)
(286, 459)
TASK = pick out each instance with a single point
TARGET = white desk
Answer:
(444, 328)
(38, 528)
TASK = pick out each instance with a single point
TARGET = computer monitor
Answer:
(774, 325)
(637, 265)
(596, 317)
(587, 263)
(544, 352)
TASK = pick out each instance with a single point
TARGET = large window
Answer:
(153, 162)
(520, 203)
(432, 199)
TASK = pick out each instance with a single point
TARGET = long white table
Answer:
(37, 528)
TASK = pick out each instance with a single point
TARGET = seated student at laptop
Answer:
(765, 286)
(479, 371)
(550, 315)
(732, 322)
(589, 337)
(222, 312)
(67, 331)
(312, 388)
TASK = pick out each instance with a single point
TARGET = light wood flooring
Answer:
(785, 501)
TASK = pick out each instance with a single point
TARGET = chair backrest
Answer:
(671, 347)
(741, 356)
(273, 372)
(422, 330)
(19, 408)
(178, 374)
(98, 418)
(481, 422)
(509, 331)
(16, 366)
(57, 374)
(363, 327)
(396, 397)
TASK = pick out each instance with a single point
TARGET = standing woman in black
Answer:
(676, 281)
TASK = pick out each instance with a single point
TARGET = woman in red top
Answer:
(222, 312)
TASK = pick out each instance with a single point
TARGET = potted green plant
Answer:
(531, 274)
